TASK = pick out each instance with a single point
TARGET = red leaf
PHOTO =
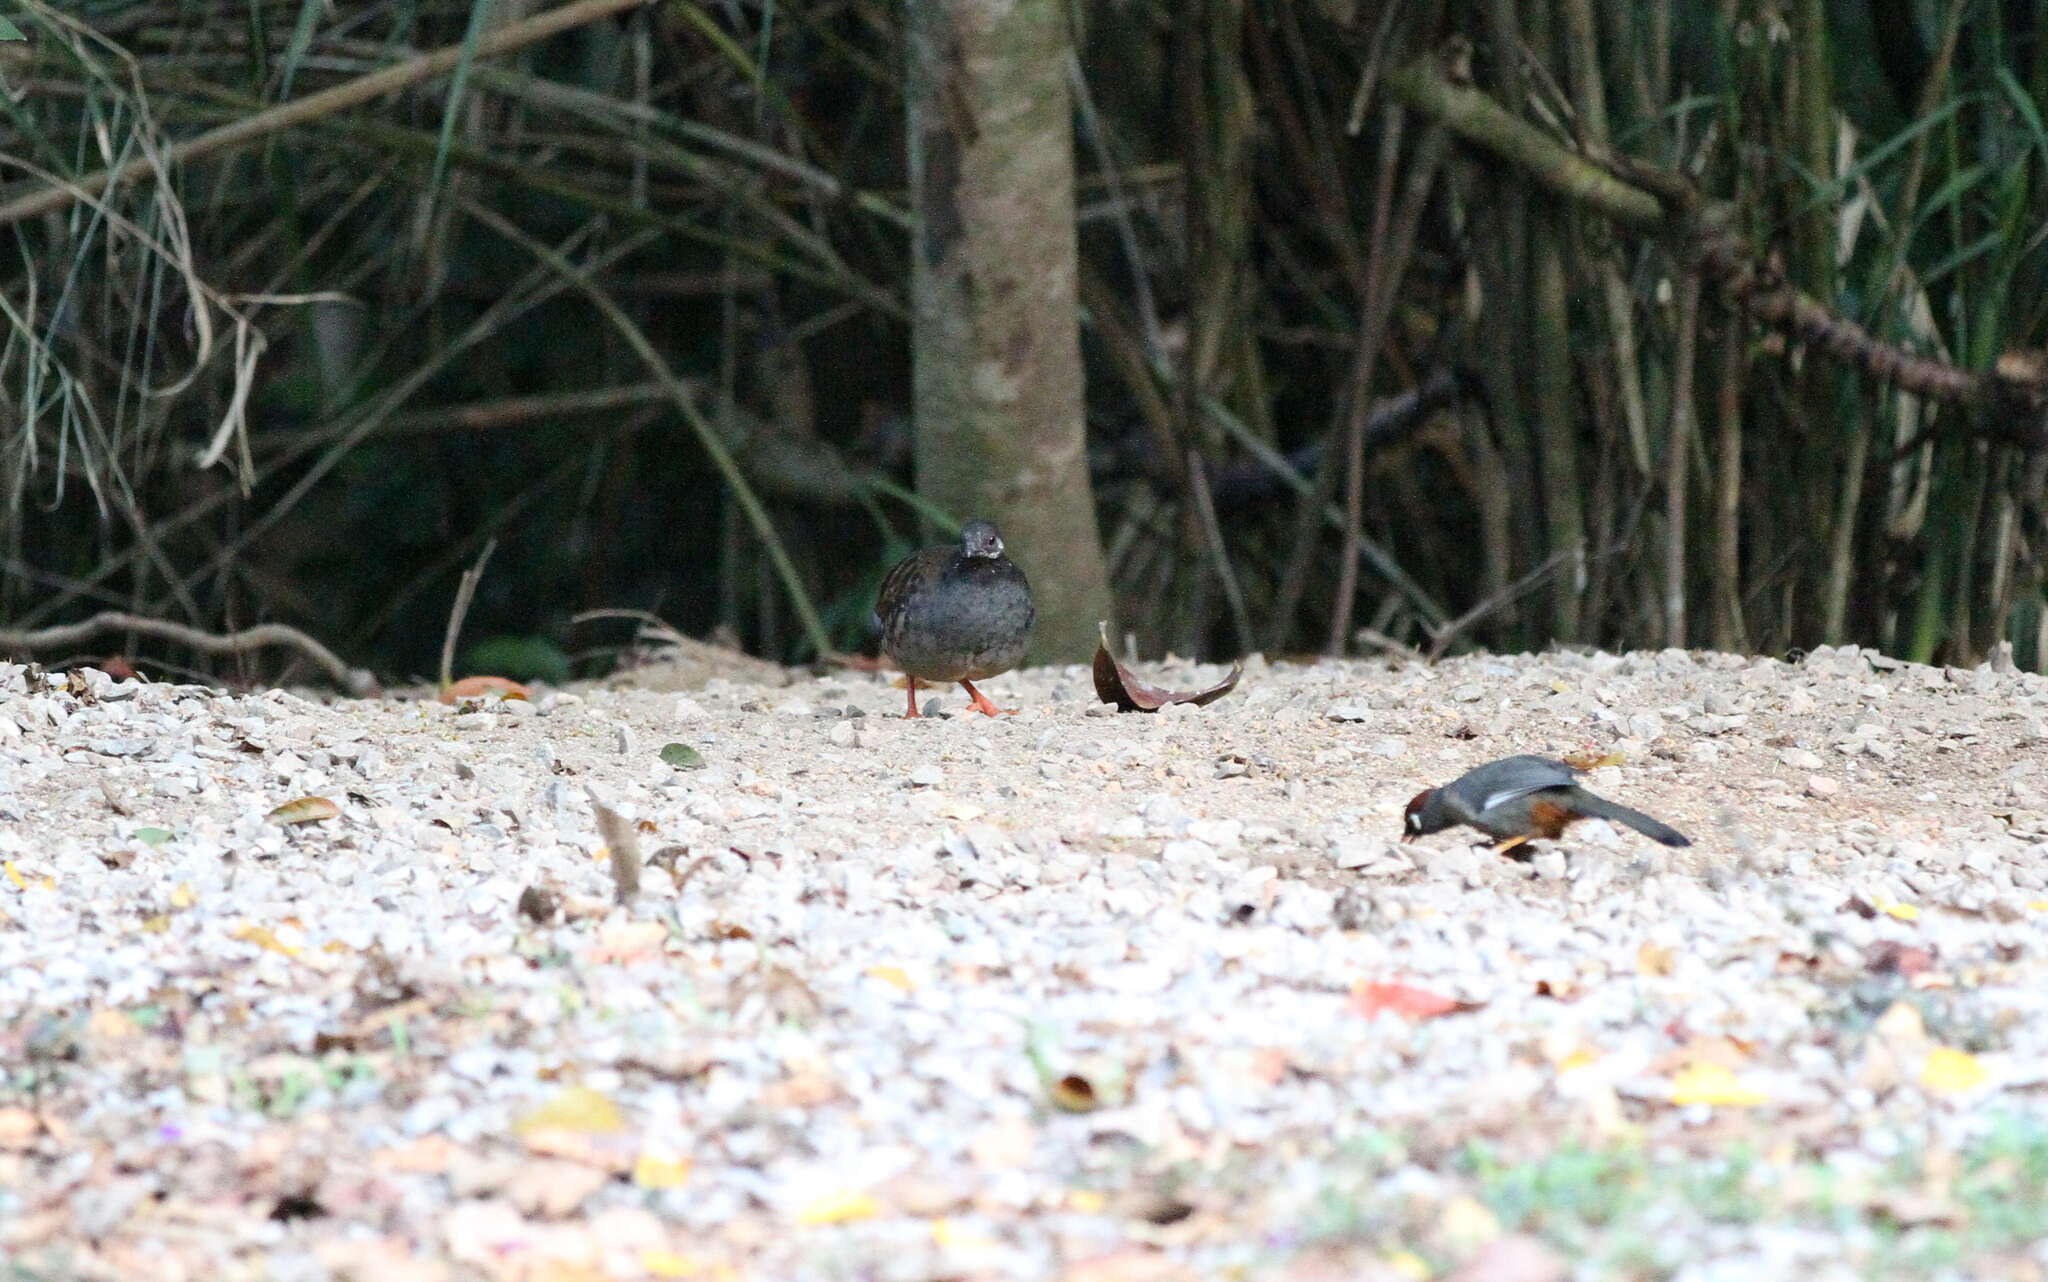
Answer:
(1370, 998)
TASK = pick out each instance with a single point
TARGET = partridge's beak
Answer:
(1407, 837)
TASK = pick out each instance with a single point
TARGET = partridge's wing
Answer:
(1503, 781)
(911, 575)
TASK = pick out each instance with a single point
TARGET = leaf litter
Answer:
(1086, 1006)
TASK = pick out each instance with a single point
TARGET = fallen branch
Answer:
(354, 680)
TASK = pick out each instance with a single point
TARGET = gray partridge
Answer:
(959, 612)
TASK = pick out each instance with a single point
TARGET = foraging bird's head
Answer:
(979, 538)
(1421, 818)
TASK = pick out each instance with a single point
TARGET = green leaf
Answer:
(8, 31)
(295, 48)
(451, 110)
(153, 837)
(682, 756)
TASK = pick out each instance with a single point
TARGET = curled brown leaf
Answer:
(1115, 684)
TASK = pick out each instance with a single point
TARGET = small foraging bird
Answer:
(1520, 798)
(960, 613)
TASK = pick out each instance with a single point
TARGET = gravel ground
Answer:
(1068, 994)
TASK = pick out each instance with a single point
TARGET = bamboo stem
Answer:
(1730, 634)
(1678, 458)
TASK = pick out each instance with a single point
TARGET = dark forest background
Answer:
(1405, 328)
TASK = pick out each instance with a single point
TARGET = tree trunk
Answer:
(996, 327)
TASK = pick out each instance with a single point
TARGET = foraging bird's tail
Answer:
(1602, 808)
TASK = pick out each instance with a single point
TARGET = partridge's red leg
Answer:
(982, 704)
(910, 688)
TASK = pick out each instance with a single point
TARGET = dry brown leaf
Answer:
(804, 1089)
(304, 810)
(1726, 1052)
(1004, 1145)
(1654, 959)
(1073, 1093)
(1128, 1264)
(628, 941)
(1889, 957)
(539, 904)
(1592, 759)
(18, 1129)
(552, 1188)
(427, 1155)
(1115, 684)
(624, 844)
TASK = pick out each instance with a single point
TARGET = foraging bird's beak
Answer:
(1407, 837)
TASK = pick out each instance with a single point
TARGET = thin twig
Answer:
(354, 680)
(1440, 638)
(655, 624)
(1205, 510)
(465, 592)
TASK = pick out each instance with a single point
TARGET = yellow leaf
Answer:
(1086, 1201)
(1579, 1058)
(668, 1264)
(1904, 912)
(1654, 959)
(945, 1233)
(891, 975)
(578, 1108)
(262, 937)
(304, 810)
(156, 925)
(1465, 1225)
(14, 875)
(182, 896)
(654, 1171)
(1708, 1083)
(840, 1208)
(2038, 905)
(1408, 1264)
(1949, 1071)
(1560, 687)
